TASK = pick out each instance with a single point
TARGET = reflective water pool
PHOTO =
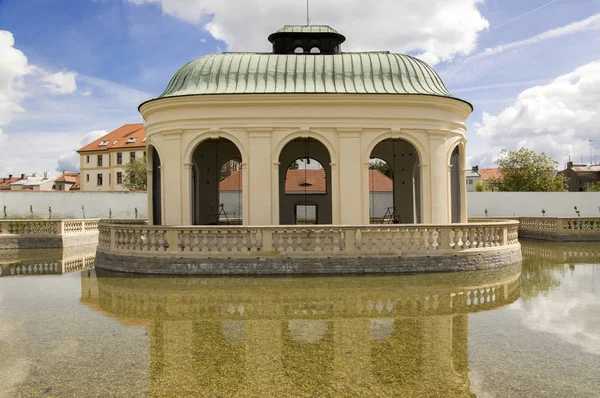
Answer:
(525, 330)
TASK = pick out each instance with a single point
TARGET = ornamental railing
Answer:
(306, 241)
(551, 226)
(48, 227)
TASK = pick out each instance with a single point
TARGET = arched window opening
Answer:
(315, 50)
(217, 183)
(403, 163)
(156, 188)
(298, 50)
(305, 176)
(381, 195)
(304, 186)
(230, 192)
(455, 181)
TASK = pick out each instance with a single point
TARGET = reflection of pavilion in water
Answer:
(562, 253)
(46, 262)
(375, 336)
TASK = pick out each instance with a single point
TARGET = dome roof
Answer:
(327, 72)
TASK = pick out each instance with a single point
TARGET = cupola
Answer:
(306, 39)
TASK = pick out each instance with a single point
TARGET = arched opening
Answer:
(315, 50)
(455, 196)
(305, 183)
(216, 183)
(315, 47)
(306, 177)
(381, 196)
(298, 47)
(156, 187)
(403, 160)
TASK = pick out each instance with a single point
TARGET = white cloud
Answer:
(568, 312)
(557, 118)
(69, 161)
(13, 68)
(588, 24)
(60, 82)
(436, 30)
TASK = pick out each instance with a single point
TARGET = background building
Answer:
(102, 162)
(581, 177)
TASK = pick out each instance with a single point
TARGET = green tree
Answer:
(135, 177)
(524, 170)
(595, 187)
(480, 187)
(382, 166)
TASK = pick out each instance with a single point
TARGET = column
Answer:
(172, 171)
(258, 211)
(462, 156)
(439, 179)
(186, 195)
(350, 201)
(149, 194)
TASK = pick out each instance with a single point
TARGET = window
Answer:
(99, 182)
(104, 143)
(109, 175)
(87, 178)
(119, 178)
(470, 181)
(114, 143)
(99, 160)
(144, 140)
(132, 156)
(119, 157)
(131, 140)
(298, 50)
(87, 159)
(315, 50)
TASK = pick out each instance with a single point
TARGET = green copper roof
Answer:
(307, 29)
(347, 73)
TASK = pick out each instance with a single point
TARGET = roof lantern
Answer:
(306, 39)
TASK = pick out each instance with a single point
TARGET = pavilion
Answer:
(307, 105)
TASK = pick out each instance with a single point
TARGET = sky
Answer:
(74, 70)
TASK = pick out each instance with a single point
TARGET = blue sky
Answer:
(72, 70)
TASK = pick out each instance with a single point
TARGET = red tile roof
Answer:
(118, 139)
(486, 174)
(310, 180)
(72, 178)
(295, 181)
(379, 182)
(232, 183)
(5, 183)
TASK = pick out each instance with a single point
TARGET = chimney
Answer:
(45, 175)
(22, 176)
(64, 172)
(569, 165)
(10, 176)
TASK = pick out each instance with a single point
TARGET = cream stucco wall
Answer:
(349, 126)
(89, 170)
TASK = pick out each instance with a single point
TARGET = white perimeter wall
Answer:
(530, 204)
(68, 204)
(499, 204)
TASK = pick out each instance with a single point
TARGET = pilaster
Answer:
(351, 178)
(439, 179)
(259, 186)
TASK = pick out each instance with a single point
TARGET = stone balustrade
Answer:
(48, 227)
(306, 241)
(46, 234)
(560, 229)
